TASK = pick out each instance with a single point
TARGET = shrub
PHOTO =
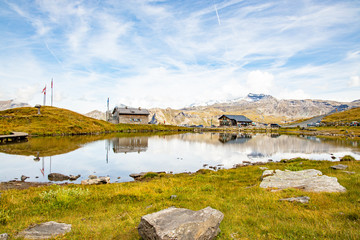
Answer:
(4, 216)
(347, 158)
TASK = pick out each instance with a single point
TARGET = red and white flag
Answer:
(44, 90)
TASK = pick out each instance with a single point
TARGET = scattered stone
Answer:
(45, 230)
(220, 165)
(339, 167)
(37, 177)
(348, 172)
(23, 178)
(92, 176)
(246, 162)
(57, 177)
(173, 196)
(270, 160)
(139, 176)
(310, 180)
(333, 157)
(73, 178)
(304, 199)
(4, 236)
(263, 168)
(96, 181)
(181, 224)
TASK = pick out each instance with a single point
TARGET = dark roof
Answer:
(238, 118)
(131, 111)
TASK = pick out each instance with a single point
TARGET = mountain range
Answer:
(257, 107)
(11, 104)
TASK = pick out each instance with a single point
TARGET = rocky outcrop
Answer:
(181, 224)
(45, 230)
(4, 236)
(310, 180)
(339, 167)
(96, 181)
(304, 199)
(62, 177)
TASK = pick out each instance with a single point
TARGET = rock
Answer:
(181, 224)
(4, 236)
(263, 168)
(348, 172)
(96, 181)
(23, 178)
(73, 178)
(246, 162)
(139, 176)
(45, 230)
(92, 177)
(339, 167)
(173, 196)
(57, 177)
(304, 199)
(310, 180)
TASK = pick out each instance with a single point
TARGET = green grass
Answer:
(113, 211)
(58, 121)
(343, 117)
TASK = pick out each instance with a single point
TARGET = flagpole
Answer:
(44, 91)
(52, 87)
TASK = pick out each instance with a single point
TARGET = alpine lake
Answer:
(118, 155)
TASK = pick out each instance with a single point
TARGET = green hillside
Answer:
(59, 121)
(343, 117)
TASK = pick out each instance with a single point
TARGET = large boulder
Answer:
(96, 181)
(181, 224)
(45, 230)
(310, 180)
(57, 177)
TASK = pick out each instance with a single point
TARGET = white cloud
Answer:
(260, 82)
(27, 93)
(354, 81)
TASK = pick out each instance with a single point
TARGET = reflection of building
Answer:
(130, 144)
(234, 138)
(130, 115)
(234, 120)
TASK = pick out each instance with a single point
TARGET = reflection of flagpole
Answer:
(42, 169)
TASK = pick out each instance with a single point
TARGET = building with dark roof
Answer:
(234, 120)
(130, 115)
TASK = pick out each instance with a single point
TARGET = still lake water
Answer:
(120, 155)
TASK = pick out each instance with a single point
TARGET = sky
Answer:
(157, 53)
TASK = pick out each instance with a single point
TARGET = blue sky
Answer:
(175, 53)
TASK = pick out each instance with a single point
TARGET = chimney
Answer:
(139, 108)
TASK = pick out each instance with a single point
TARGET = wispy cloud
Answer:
(170, 53)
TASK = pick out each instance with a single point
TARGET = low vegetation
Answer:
(113, 211)
(58, 121)
(345, 117)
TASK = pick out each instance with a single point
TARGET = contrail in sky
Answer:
(52, 53)
(217, 14)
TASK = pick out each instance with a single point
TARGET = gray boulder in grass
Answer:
(181, 224)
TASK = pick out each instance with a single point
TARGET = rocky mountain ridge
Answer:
(8, 104)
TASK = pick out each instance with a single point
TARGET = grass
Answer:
(113, 211)
(58, 121)
(343, 117)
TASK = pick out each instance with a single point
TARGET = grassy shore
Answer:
(58, 121)
(113, 211)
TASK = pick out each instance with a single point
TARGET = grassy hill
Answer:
(343, 117)
(59, 121)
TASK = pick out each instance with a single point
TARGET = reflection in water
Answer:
(131, 144)
(234, 137)
(87, 155)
